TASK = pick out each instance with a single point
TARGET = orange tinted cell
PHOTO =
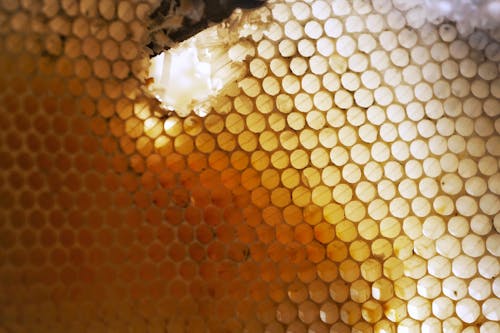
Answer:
(175, 162)
(212, 215)
(312, 214)
(226, 141)
(197, 161)
(260, 197)
(178, 289)
(181, 197)
(216, 251)
(270, 178)
(265, 233)
(339, 291)
(187, 270)
(196, 252)
(280, 197)
(296, 252)
(307, 272)
(173, 215)
(250, 179)
(284, 233)
(204, 234)
(337, 251)
(272, 215)
(177, 251)
(292, 215)
(324, 232)
(349, 270)
(192, 215)
(246, 234)
(185, 233)
(315, 252)
(238, 252)
(156, 252)
(276, 252)
(230, 178)
(183, 144)
(233, 215)
(303, 233)
(221, 197)
(66, 237)
(333, 213)
(327, 270)
(225, 233)
(200, 196)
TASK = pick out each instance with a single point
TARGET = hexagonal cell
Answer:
(489, 309)
(329, 313)
(442, 307)
(308, 312)
(339, 291)
(479, 289)
(395, 310)
(419, 308)
(382, 289)
(360, 291)
(431, 325)
(468, 310)
(439, 267)
(371, 311)
(371, 270)
(405, 288)
(429, 287)
(350, 313)
(318, 291)
(393, 268)
(414, 267)
(454, 288)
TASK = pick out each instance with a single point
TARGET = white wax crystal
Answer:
(181, 79)
(186, 77)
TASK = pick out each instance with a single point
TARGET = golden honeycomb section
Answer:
(348, 183)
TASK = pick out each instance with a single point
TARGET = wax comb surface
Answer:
(347, 182)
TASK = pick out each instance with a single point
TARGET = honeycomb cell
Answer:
(467, 310)
(395, 310)
(350, 313)
(419, 308)
(286, 313)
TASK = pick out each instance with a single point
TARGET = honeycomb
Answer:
(348, 182)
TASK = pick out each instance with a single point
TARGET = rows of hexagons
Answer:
(333, 181)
